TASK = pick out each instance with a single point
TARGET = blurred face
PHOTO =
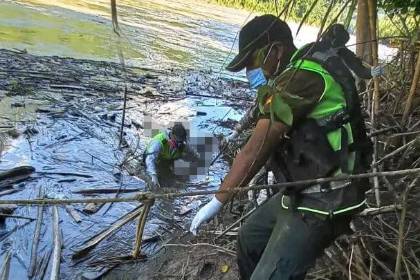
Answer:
(176, 143)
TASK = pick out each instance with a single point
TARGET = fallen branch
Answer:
(140, 228)
(55, 269)
(148, 196)
(6, 192)
(219, 248)
(17, 171)
(73, 213)
(109, 190)
(4, 272)
(93, 241)
(14, 230)
(236, 222)
(40, 273)
(413, 88)
(9, 182)
(72, 87)
(16, 217)
(401, 235)
(396, 151)
(66, 174)
(379, 210)
(37, 234)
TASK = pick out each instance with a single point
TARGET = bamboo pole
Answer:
(140, 228)
(114, 16)
(413, 88)
(92, 242)
(374, 46)
(375, 95)
(5, 268)
(55, 269)
(37, 234)
(148, 196)
(45, 259)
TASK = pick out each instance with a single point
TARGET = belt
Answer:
(323, 188)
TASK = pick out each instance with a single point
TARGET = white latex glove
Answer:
(205, 214)
(377, 71)
(155, 180)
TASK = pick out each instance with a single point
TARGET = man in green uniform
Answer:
(308, 130)
(164, 148)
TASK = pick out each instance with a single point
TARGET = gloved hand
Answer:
(205, 214)
(377, 71)
(155, 181)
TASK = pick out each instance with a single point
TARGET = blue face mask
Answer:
(256, 78)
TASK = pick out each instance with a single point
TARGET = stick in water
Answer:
(55, 270)
(37, 234)
(92, 242)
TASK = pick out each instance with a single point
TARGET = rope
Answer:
(142, 196)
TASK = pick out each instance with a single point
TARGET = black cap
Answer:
(256, 34)
(179, 131)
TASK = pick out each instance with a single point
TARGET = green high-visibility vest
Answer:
(166, 152)
(331, 102)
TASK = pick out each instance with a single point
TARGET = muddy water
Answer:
(156, 33)
(73, 131)
(77, 135)
(161, 33)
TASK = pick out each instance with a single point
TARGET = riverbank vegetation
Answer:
(396, 18)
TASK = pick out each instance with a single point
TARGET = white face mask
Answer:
(256, 78)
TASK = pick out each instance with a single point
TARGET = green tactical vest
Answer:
(166, 153)
(331, 101)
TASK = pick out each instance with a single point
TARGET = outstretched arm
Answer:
(266, 136)
(152, 154)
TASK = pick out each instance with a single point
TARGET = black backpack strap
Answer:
(332, 123)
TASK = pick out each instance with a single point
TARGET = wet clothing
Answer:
(160, 151)
(283, 238)
(275, 243)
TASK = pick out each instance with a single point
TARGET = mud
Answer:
(68, 130)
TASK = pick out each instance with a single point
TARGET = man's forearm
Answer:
(252, 156)
(150, 161)
(242, 171)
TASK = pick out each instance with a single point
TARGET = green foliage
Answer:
(295, 12)
(402, 14)
(403, 17)
(401, 7)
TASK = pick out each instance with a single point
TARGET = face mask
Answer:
(256, 78)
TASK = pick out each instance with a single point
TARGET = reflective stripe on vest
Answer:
(331, 101)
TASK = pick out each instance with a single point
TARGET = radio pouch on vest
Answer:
(308, 154)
